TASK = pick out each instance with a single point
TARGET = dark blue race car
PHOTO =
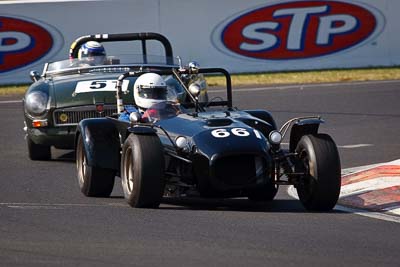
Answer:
(203, 149)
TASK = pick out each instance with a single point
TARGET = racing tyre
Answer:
(142, 171)
(38, 152)
(93, 181)
(265, 193)
(318, 159)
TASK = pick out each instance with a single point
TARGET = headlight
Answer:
(182, 143)
(194, 89)
(36, 103)
(275, 137)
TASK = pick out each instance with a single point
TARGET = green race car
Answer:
(84, 87)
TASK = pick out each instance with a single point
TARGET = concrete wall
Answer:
(242, 36)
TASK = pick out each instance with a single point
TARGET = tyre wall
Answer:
(241, 36)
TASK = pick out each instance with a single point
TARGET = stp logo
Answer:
(298, 30)
(23, 41)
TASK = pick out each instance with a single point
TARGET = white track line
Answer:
(304, 86)
(356, 146)
(371, 214)
(375, 215)
(10, 102)
(344, 146)
(56, 205)
(390, 214)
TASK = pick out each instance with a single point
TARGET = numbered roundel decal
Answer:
(298, 29)
(239, 132)
(24, 41)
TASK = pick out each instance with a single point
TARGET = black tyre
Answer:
(265, 193)
(318, 158)
(142, 171)
(38, 152)
(93, 181)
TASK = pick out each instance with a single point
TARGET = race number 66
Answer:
(241, 132)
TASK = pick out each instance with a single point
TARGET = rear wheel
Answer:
(37, 151)
(318, 158)
(93, 181)
(142, 171)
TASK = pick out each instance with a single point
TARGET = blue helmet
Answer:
(93, 52)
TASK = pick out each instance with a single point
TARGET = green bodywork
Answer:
(60, 90)
(63, 88)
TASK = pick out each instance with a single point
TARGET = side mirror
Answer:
(34, 76)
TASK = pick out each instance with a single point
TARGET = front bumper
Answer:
(59, 137)
(61, 133)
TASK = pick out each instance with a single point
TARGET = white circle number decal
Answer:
(241, 132)
(220, 133)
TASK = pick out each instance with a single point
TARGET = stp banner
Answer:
(241, 36)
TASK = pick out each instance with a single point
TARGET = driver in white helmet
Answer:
(149, 89)
(152, 97)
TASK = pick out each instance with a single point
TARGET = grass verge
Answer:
(13, 89)
(322, 76)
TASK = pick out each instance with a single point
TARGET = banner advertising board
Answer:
(241, 36)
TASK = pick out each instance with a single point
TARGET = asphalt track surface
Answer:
(46, 221)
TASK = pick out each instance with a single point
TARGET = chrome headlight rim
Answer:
(182, 143)
(36, 104)
(275, 138)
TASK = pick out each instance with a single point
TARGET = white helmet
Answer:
(149, 89)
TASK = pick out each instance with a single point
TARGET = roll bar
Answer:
(177, 73)
(142, 36)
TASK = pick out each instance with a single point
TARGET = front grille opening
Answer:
(239, 169)
(75, 116)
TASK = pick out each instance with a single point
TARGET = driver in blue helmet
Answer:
(92, 53)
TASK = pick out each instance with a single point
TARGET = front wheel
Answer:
(93, 181)
(142, 170)
(318, 159)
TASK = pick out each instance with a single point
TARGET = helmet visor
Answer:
(95, 53)
(157, 92)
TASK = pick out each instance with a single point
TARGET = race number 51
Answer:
(99, 85)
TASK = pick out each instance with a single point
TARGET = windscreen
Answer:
(109, 61)
(209, 89)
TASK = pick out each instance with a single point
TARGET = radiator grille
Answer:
(72, 116)
(237, 170)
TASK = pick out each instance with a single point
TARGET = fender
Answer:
(261, 120)
(144, 130)
(101, 140)
(303, 127)
(262, 115)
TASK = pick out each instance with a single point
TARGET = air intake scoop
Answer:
(219, 122)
